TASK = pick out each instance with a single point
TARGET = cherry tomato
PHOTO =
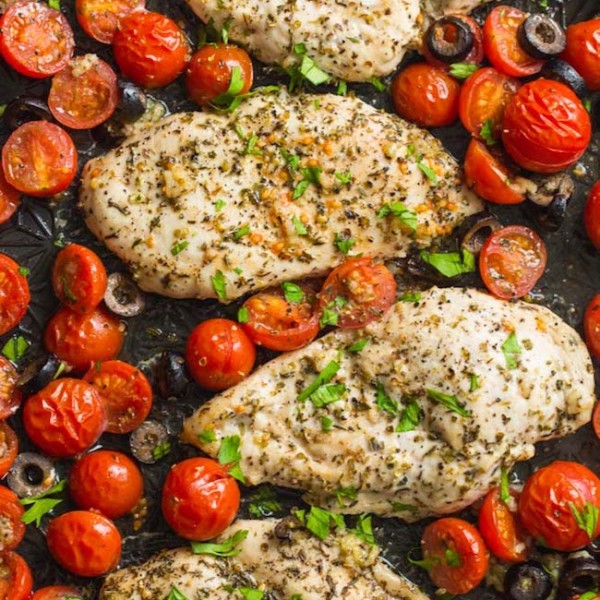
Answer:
(546, 127)
(457, 554)
(9, 447)
(558, 503)
(426, 96)
(10, 198)
(200, 499)
(489, 177)
(125, 391)
(591, 327)
(358, 291)
(84, 94)
(36, 41)
(79, 278)
(501, 43)
(12, 529)
(84, 339)
(596, 419)
(106, 481)
(583, 51)
(65, 418)
(150, 49)
(56, 592)
(100, 18)
(591, 215)
(16, 580)
(14, 294)
(10, 394)
(85, 543)
(219, 354)
(511, 261)
(39, 159)
(474, 57)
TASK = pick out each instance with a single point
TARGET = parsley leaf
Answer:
(591, 595)
(587, 517)
(377, 84)
(342, 88)
(179, 247)
(319, 521)
(410, 417)
(345, 177)
(243, 315)
(327, 394)
(227, 548)
(15, 348)
(425, 169)
(292, 161)
(219, 284)
(263, 502)
(450, 264)
(41, 504)
(504, 486)
(207, 436)
(229, 454)
(473, 382)
(401, 507)
(161, 450)
(326, 423)
(449, 401)
(292, 292)
(329, 316)
(358, 345)
(251, 593)
(308, 68)
(463, 70)
(364, 529)
(219, 204)
(487, 132)
(24, 271)
(309, 175)
(412, 297)
(344, 244)
(511, 350)
(325, 376)
(345, 493)
(236, 85)
(55, 4)
(242, 232)
(384, 402)
(399, 210)
(299, 226)
(175, 594)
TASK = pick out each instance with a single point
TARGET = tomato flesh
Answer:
(10, 394)
(56, 592)
(591, 326)
(100, 18)
(591, 215)
(16, 580)
(10, 198)
(14, 294)
(583, 51)
(12, 529)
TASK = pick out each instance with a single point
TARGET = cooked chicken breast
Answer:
(446, 392)
(341, 567)
(212, 205)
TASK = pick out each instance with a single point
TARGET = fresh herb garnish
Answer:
(242, 232)
(473, 382)
(412, 297)
(487, 132)
(292, 292)
(319, 521)
(450, 264)
(344, 244)
(161, 450)
(236, 85)
(42, 504)
(384, 402)
(229, 454)
(345, 493)
(504, 486)
(329, 316)
(179, 247)
(364, 529)
(299, 226)
(326, 423)
(15, 348)
(342, 88)
(450, 402)
(410, 417)
(463, 70)
(219, 284)
(24, 271)
(358, 345)
(327, 394)
(292, 161)
(250, 593)
(377, 84)
(263, 502)
(309, 175)
(227, 548)
(401, 507)
(307, 70)
(344, 177)
(587, 517)
(399, 210)
(207, 436)
(175, 594)
(511, 350)
(243, 315)
(55, 4)
(325, 376)
(425, 169)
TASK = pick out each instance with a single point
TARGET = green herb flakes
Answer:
(410, 417)
(14, 349)
(344, 244)
(327, 394)
(251, 593)
(292, 292)
(413, 297)
(42, 504)
(325, 376)
(384, 402)
(326, 423)
(24, 271)
(358, 345)
(161, 450)
(243, 315)
(226, 549)
(587, 517)
(229, 454)
(319, 521)
(401, 507)
(179, 247)
(504, 486)
(487, 132)
(309, 175)
(450, 264)
(364, 529)
(175, 594)
(242, 232)
(343, 494)
(450, 402)
(263, 502)
(377, 84)
(463, 70)
(207, 436)
(511, 350)
(399, 210)
(299, 226)
(473, 382)
(219, 284)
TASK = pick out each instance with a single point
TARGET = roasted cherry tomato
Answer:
(16, 580)
(79, 278)
(591, 215)
(546, 128)
(57, 592)
(14, 294)
(150, 49)
(210, 73)
(36, 40)
(426, 96)
(456, 553)
(39, 159)
(10, 394)
(558, 505)
(12, 529)
(511, 261)
(65, 418)
(82, 340)
(583, 51)
(596, 420)
(9, 447)
(85, 543)
(501, 43)
(591, 327)
(100, 18)
(200, 499)
(219, 354)
(125, 391)
(450, 35)
(84, 94)
(10, 198)
(357, 293)
(106, 481)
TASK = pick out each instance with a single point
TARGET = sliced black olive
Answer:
(551, 217)
(31, 474)
(450, 39)
(476, 229)
(594, 548)
(541, 36)
(284, 530)
(145, 440)
(527, 581)
(123, 297)
(563, 72)
(24, 109)
(132, 103)
(171, 376)
(577, 576)
(39, 373)
(549, 199)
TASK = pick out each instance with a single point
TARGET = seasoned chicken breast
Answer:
(214, 205)
(447, 391)
(341, 567)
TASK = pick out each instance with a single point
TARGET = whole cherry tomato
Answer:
(9, 447)
(12, 529)
(449, 34)
(10, 394)
(100, 18)
(16, 580)
(591, 326)
(10, 198)
(14, 294)
(57, 592)
(583, 51)
(591, 215)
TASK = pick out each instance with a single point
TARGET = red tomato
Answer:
(501, 43)
(511, 261)
(106, 481)
(85, 543)
(65, 418)
(14, 294)
(16, 580)
(219, 354)
(457, 554)
(100, 18)
(596, 420)
(10, 198)
(583, 51)
(200, 499)
(56, 592)
(557, 506)
(125, 391)
(426, 96)
(475, 56)
(12, 529)
(591, 215)
(10, 394)
(79, 278)
(591, 327)
(546, 127)
(36, 40)
(359, 292)
(150, 49)
(39, 159)
(9, 447)
(84, 339)
(84, 94)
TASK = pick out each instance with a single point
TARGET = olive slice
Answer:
(446, 47)
(133, 102)
(541, 36)
(144, 441)
(123, 297)
(577, 576)
(563, 72)
(24, 109)
(476, 229)
(527, 581)
(39, 373)
(31, 474)
(171, 377)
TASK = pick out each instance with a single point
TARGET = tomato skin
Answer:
(596, 419)
(546, 501)
(14, 294)
(9, 447)
(16, 581)
(100, 19)
(219, 354)
(10, 199)
(426, 95)
(591, 215)
(12, 529)
(583, 51)
(10, 394)
(56, 592)
(200, 499)
(85, 543)
(65, 418)
(591, 326)
(475, 57)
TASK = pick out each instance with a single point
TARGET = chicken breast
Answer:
(341, 567)
(420, 422)
(213, 205)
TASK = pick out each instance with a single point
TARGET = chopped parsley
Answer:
(364, 529)
(263, 502)
(377, 84)
(325, 376)
(473, 382)
(504, 486)
(175, 594)
(319, 521)
(358, 345)
(291, 160)
(384, 402)
(227, 548)
(342, 88)
(229, 454)
(299, 226)
(292, 292)
(425, 169)
(15, 348)
(219, 284)
(179, 247)
(207, 436)
(402, 507)
(511, 350)
(329, 316)
(450, 402)
(309, 175)
(307, 70)
(345, 493)
(242, 232)
(327, 394)
(463, 70)
(243, 315)
(344, 244)
(410, 417)
(55, 4)
(399, 210)
(161, 450)
(42, 504)
(487, 132)
(450, 264)
(345, 177)
(414, 297)
(24, 271)
(250, 593)
(236, 85)
(326, 423)
(586, 517)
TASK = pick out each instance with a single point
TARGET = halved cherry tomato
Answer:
(596, 420)
(16, 581)
(511, 261)
(591, 215)
(200, 499)
(9, 447)
(81, 339)
(475, 57)
(591, 326)
(10, 198)
(85, 543)
(10, 394)
(583, 51)
(12, 529)
(36, 41)
(65, 418)
(125, 391)
(219, 354)
(456, 553)
(359, 292)
(39, 159)
(100, 18)
(14, 294)
(501, 43)
(84, 94)
(57, 592)
(150, 49)
(558, 504)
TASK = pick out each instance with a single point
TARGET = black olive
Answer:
(39, 373)
(284, 530)
(476, 229)
(450, 48)
(577, 576)
(171, 377)
(594, 548)
(123, 297)
(527, 581)
(541, 36)
(144, 441)
(563, 72)
(24, 109)
(31, 474)
(132, 102)
(549, 199)
(551, 217)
